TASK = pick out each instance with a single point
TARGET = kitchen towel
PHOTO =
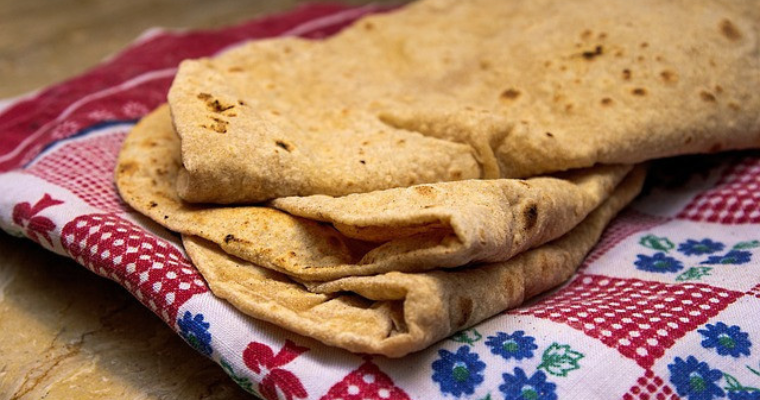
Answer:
(667, 305)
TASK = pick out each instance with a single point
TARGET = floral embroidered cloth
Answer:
(667, 305)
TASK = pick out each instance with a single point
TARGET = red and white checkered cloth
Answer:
(666, 306)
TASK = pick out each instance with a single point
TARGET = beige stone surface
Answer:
(69, 334)
(43, 42)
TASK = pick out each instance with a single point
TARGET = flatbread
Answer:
(440, 225)
(445, 90)
(396, 313)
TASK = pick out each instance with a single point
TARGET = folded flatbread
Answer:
(397, 313)
(439, 225)
(446, 90)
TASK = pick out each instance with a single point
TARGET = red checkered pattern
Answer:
(158, 274)
(367, 382)
(650, 387)
(625, 225)
(85, 167)
(734, 200)
(641, 319)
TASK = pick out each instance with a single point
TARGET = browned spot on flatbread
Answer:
(626, 74)
(217, 106)
(425, 190)
(606, 101)
(219, 125)
(730, 31)
(128, 168)
(639, 92)
(669, 76)
(213, 104)
(465, 308)
(510, 94)
(592, 54)
(530, 213)
(284, 145)
(707, 96)
(716, 148)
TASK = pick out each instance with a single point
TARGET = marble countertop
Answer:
(66, 333)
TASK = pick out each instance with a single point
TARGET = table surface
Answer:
(67, 333)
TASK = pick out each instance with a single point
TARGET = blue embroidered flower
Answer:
(705, 246)
(744, 395)
(516, 345)
(726, 340)
(694, 379)
(195, 332)
(657, 263)
(520, 387)
(732, 257)
(458, 373)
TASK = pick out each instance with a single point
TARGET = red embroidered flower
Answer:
(25, 215)
(261, 359)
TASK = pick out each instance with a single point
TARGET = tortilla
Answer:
(440, 225)
(446, 90)
(396, 313)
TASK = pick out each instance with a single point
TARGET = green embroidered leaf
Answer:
(694, 274)
(747, 245)
(243, 382)
(469, 336)
(488, 397)
(656, 243)
(733, 383)
(753, 370)
(559, 359)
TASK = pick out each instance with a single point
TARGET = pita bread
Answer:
(440, 225)
(446, 90)
(397, 313)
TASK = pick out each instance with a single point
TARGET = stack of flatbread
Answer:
(428, 168)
